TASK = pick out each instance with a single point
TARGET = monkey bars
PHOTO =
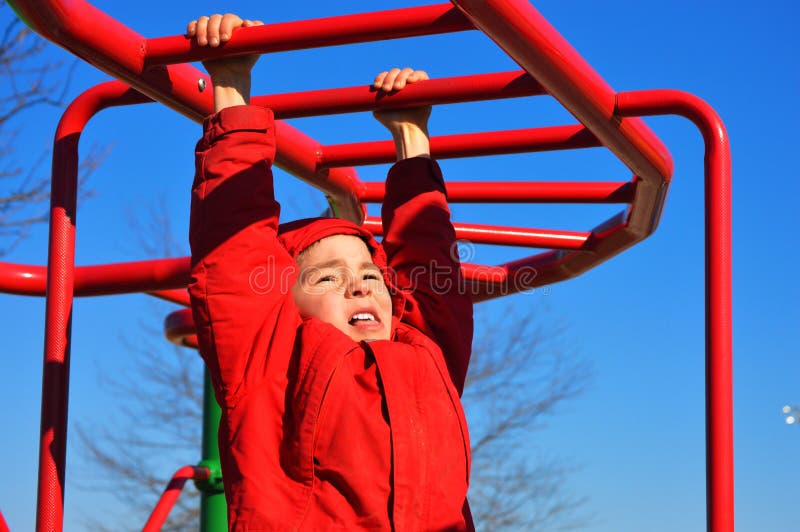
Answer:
(158, 70)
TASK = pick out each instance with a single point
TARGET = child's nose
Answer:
(359, 288)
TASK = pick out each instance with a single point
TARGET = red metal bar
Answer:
(719, 309)
(435, 91)
(60, 282)
(466, 145)
(99, 280)
(129, 277)
(171, 494)
(23, 279)
(522, 192)
(314, 33)
(506, 236)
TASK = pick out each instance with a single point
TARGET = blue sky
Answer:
(637, 433)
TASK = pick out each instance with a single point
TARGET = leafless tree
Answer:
(520, 375)
(28, 79)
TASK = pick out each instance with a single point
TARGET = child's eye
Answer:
(326, 279)
(371, 276)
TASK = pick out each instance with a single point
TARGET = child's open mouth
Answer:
(364, 320)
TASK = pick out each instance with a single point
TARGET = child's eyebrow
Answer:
(328, 264)
(333, 263)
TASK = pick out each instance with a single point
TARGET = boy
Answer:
(339, 392)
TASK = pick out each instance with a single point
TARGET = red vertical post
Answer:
(718, 297)
(58, 322)
(60, 288)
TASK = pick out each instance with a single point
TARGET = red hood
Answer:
(299, 234)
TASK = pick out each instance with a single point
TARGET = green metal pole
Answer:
(213, 509)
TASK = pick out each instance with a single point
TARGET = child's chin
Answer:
(368, 335)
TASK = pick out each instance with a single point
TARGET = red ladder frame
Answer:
(155, 67)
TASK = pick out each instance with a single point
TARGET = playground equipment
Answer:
(157, 69)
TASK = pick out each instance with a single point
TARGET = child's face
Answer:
(339, 284)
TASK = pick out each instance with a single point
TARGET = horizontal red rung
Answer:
(314, 33)
(430, 92)
(522, 192)
(506, 236)
(466, 145)
(103, 279)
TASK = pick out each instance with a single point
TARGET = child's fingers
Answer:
(191, 28)
(378, 83)
(228, 23)
(417, 75)
(402, 79)
(200, 31)
(388, 81)
(213, 29)
(397, 79)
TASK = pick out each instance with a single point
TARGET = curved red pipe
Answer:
(719, 288)
(60, 288)
(171, 493)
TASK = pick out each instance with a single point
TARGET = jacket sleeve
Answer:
(420, 245)
(241, 276)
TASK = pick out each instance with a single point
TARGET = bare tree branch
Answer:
(29, 79)
(157, 432)
(520, 374)
(159, 429)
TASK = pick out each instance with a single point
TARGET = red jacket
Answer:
(319, 432)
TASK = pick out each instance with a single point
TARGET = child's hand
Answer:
(395, 80)
(229, 76)
(409, 127)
